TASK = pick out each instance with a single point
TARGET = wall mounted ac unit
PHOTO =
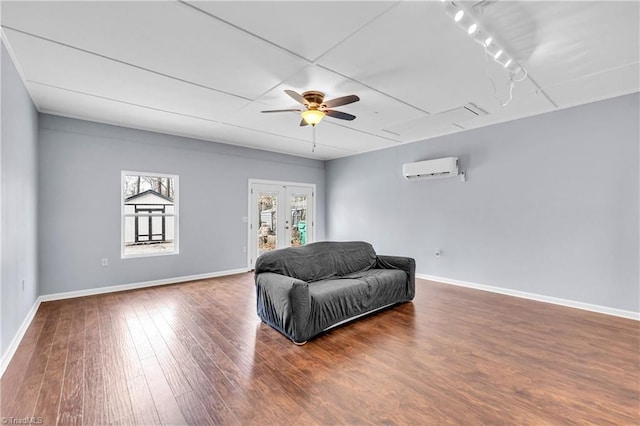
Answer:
(439, 168)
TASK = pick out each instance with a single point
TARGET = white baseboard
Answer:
(11, 350)
(538, 297)
(13, 346)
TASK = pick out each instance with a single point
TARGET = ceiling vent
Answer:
(461, 114)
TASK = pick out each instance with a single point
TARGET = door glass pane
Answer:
(267, 220)
(298, 220)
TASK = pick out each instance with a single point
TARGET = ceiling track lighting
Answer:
(466, 20)
(472, 28)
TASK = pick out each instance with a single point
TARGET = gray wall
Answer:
(79, 214)
(18, 158)
(550, 205)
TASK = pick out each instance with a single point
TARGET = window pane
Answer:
(152, 199)
(145, 234)
(137, 185)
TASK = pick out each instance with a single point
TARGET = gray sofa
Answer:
(303, 291)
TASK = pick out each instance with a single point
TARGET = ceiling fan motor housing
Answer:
(314, 98)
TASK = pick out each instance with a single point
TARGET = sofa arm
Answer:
(407, 264)
(284, 303)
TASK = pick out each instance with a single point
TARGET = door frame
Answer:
(311, 230)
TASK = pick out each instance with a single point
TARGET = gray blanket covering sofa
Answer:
(303, 291)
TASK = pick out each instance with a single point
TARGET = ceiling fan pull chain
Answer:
(313, 148)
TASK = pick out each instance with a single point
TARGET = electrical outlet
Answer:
(105, 261)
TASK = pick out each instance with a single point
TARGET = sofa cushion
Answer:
(318, 261)
(337, 299)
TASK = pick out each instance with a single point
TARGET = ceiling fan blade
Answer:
(339, 114)
(344, 100)
(295, 95)
(303, 123)
(283, 110)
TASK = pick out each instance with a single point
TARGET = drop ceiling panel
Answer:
(576, 39)
(104, 111)
(307, 28)
(55, 65)
(167, 37)
(417, 54)
(271, 142)
(615, 82)
(525, 101)
(423, 128)
(522, 105)
(65, 103)
(338, 136)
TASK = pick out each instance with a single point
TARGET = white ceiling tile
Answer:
(272, 142)
(165, 37)
(417, 54)
(577, 39)
(339, 136)
(63, 67)
(598, 86)
(61, 102)
(308, 28)
(525, 101)
(109, 112)
(522, 105)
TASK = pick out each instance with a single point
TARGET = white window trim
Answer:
(176, 204)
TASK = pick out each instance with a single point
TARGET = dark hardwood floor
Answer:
(196, 353)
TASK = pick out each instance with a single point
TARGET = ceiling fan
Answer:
(316, 107)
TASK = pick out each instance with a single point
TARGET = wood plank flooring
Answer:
(196, 353)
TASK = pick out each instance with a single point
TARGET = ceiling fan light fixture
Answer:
(472, 28)
(312, 116)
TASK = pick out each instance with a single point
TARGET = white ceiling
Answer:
(206, 69)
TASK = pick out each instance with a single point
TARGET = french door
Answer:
(281, 214)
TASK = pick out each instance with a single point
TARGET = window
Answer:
(149, 214)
